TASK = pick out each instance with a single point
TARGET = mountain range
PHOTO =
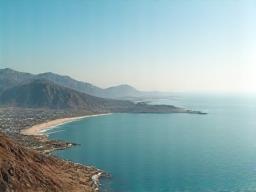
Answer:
(10, 78)
(48, 90)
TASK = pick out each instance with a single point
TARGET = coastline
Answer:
(41, 128)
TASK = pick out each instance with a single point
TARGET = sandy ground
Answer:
(40, 128)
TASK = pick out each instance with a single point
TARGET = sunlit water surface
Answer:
(171, 152)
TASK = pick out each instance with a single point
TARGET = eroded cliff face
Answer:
(23, 169)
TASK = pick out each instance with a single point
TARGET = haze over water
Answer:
(171, 152)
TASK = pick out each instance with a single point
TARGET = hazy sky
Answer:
(170, 45)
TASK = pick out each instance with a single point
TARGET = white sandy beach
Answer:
(40, 128)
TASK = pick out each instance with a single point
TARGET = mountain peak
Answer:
(10, 78)
(53, 75)
(7, 70)
(122, 90)
(122, 86)
(43, 93)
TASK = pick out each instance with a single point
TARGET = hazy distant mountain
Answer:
(42, 93)
(10, 78)
(122, 91)
(46, 94)
(68, 82)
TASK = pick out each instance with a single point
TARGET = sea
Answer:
(171, 152)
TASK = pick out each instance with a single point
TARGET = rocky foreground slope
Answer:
(23, 169)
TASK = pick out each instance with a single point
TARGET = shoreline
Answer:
(41, 128)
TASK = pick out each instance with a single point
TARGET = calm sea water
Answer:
(171, 152)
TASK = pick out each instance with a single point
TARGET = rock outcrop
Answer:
(24, 170)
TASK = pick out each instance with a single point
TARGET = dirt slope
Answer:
(22, 169)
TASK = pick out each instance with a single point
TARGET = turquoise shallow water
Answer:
(171, 152)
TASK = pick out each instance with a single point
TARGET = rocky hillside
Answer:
(46, 94)
(10, 78)
(25, 170)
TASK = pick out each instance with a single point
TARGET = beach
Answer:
(39, 129)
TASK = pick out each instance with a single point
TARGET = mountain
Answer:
(68, 82)
(42, 93)
(122, 91)
(25, 170)
(10, 78)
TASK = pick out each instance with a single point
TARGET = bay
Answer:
(171, 152)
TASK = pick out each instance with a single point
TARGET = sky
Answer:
(177, 45)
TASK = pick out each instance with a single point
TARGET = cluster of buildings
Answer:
(12, 120)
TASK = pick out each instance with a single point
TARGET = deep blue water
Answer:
(171, 152)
